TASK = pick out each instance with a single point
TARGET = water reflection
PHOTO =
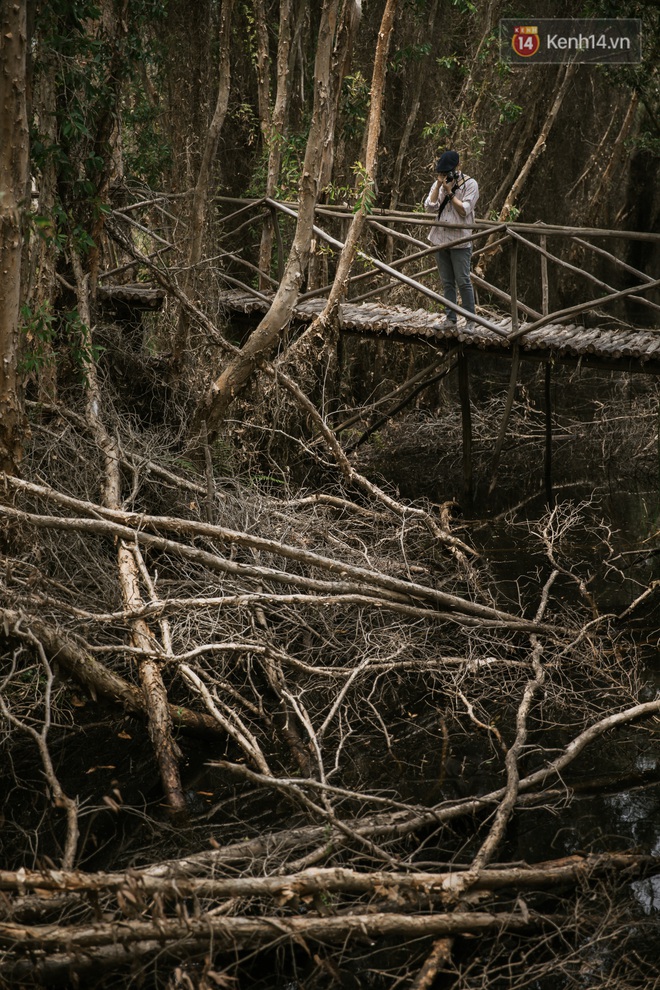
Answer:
(616, 550)
(647, 893)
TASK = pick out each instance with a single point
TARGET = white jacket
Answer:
(467, 192)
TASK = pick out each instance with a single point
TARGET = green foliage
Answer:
(38, 330)
(404, 57)
(91, 72)
(437, 131)
(87, 68)
(648, 142)
(78, 62)
(419, 8)
(490, 49)
(512, 213)
(447, 61)
(249, 33)
(508, 110)
(147, 152)
(476, 146)
(293, 156)
(338, 194)
(354, 106)
(365, 194)
(361, 194)
(259, 479)
(642, 78)
(245, 115)
(80, 347)
(42, 330)
(49, 229)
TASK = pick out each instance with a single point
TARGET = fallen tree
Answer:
(321, 705)
(353, 722)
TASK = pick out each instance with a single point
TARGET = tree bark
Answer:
(202, 186)
(235, 376)
(328, 318)
(372, 586)
(438, 957)
(567, 871)
(14, 178)
(539, 144)
(425, 30)
(155, 693)
(97, 678)
(274, 127)
(243, 931)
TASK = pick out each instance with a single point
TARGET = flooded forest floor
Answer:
(379, 678)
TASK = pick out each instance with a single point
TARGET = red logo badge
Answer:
(526, 41)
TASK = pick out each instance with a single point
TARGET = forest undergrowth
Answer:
(360, 718)
(297, 689)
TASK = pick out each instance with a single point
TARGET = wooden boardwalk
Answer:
(621, 347)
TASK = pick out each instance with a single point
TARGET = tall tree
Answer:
(201, 191)
(273, 125)
(14, 175)
(240, 368)
(366, 177)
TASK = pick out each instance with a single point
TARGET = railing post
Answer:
(545, 295)
(545, 308)
(466, 419)
(513, 284)
(515, 365)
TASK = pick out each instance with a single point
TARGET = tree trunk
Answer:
(424, 30)
(328, 317)
(341, 56)
(41, 278)
(238, 372)
(201, 193)
(540, 143)
(153, 687)
(275, 132)
(14, 176)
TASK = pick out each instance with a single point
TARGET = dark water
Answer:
(615, 546)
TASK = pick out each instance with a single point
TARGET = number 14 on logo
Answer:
(525, 40)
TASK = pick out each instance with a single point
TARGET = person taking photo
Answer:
(453, 197)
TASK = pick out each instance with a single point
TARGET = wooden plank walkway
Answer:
(624, 347)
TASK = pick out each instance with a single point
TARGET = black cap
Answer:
(447, 161)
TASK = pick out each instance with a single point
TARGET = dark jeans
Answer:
(454, 268)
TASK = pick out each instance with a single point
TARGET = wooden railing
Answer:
(237, 252)
(487, 237)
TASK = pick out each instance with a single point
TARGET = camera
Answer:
(450, 176)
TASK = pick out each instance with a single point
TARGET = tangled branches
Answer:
(358, 735)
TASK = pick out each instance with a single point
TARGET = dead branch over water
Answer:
(272, 713)
(345, 723)
(346, 705)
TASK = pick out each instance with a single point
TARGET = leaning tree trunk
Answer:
(539, 145)
(14, 174)
(201, 192)
(323, 332)
(129, 561)
(537, 150)
(274, 126)
(328, 317)
(239, 370)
